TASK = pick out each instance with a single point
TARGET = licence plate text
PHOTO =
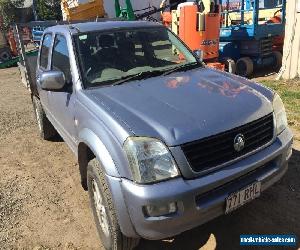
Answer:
(242, 196)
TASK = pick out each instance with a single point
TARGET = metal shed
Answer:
(291, 50)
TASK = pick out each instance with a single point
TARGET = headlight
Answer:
(149, 160)
(280, 115)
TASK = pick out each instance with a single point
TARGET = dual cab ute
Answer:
(164, 143)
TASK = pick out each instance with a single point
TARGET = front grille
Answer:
(219, 149)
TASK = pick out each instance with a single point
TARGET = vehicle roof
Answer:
(99, 26)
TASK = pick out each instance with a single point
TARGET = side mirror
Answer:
(199, 54)
(52, 80)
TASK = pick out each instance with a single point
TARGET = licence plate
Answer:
(239, 198)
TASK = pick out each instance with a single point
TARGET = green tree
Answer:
(7, 10)
(48, 9)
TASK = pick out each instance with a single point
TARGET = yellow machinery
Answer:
(74, 11)
(264, 15)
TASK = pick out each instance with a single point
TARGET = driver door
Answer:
(62, 102)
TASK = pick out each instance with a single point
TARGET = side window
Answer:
(60, 57)
(45, 51)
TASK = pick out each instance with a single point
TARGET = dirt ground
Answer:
(42, 204)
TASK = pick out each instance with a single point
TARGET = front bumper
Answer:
(203, 199)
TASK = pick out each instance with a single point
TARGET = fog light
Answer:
(160, 210)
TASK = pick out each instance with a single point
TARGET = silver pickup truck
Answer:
(164, 143)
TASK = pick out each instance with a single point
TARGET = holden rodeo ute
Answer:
(163, 142)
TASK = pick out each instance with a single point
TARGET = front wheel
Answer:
(103, 210)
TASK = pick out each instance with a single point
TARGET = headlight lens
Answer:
(149, 160)
(280, 115)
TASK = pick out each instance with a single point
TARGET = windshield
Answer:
(108, 57)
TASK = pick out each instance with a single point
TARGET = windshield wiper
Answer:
(153, 73)
(140, 75)
(182, 67)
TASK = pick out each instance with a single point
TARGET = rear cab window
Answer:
(45, 50)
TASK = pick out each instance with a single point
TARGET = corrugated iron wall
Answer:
(291, 50)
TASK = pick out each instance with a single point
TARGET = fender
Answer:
(88, 137)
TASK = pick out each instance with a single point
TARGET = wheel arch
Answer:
(90, 146)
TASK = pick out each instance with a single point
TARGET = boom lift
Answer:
(249, 34)
(198, 25)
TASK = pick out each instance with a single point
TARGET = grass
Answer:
(289, 91)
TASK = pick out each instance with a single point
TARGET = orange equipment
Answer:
(26, 37)
(201, 31)
(167, 19)
(166, 16)
(278, 41)
(12, 42)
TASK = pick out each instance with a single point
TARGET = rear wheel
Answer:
(244, 66)
(46, 129)
(103, 210)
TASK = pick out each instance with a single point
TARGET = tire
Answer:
(46, 129)
(5, 55)
(104, 212)
(229, 65)
(278, 59)
(244, 66)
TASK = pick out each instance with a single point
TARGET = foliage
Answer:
(7, 10)
(48, 9)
